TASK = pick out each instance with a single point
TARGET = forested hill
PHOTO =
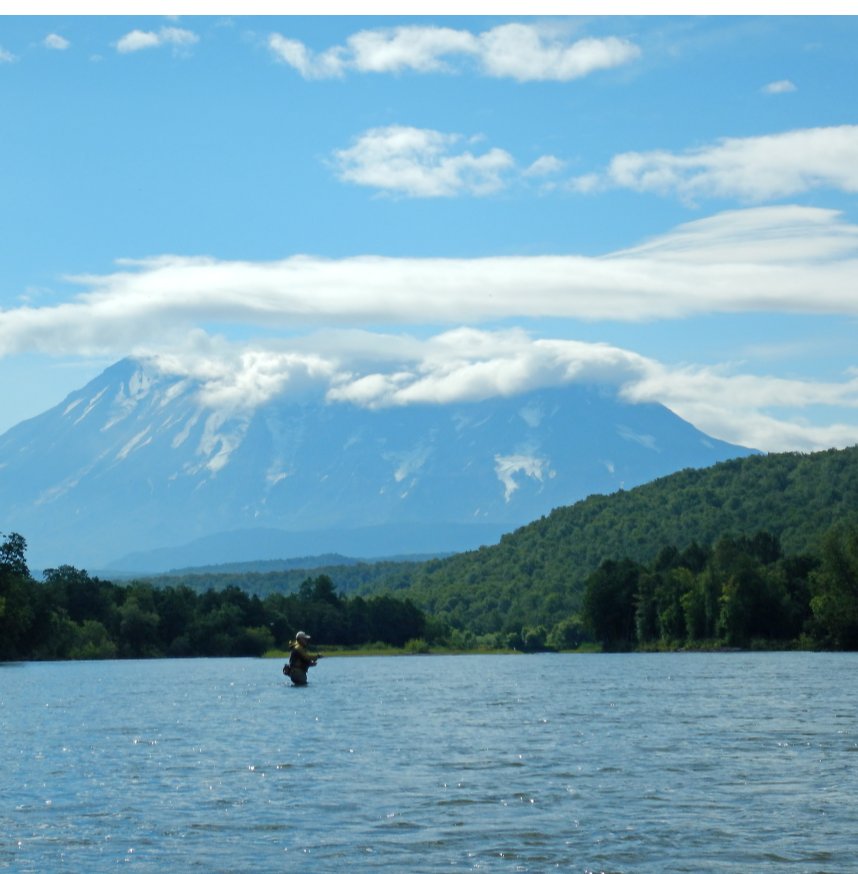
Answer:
(537, 574)
(539, 571)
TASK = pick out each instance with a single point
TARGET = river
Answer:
(681, 762)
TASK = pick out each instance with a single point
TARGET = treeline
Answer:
(74, 616)
(741, 592)
(351, 577)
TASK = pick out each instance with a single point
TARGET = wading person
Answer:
(300, 659)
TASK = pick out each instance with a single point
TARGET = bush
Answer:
(416, 646)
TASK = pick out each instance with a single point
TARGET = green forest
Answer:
(743, 592)
(537, 575)
(74, 616)
(756, 552)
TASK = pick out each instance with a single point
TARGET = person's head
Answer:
(302, 637)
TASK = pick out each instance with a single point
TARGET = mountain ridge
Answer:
(254, 545)
(139, 460)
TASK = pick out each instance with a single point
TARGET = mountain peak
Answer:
(138, 460)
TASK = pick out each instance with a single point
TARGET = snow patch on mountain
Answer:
(507, 466)
(410, 462)
(93, 402)
(275, 476)
(532, 414)
(136, 442)
(220, 438)
(469, 421)
(648, 441)
(175, 391)
(189, 425)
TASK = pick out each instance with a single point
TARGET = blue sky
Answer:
(393, 210)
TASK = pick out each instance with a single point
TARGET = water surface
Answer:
(614, 763)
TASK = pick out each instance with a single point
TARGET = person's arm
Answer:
(306, 658)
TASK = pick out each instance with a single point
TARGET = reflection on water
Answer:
(625, 763)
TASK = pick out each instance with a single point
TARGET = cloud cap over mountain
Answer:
(679, 190)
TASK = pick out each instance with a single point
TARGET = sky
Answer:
(389, 210)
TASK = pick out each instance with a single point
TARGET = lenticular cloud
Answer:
(770, 259)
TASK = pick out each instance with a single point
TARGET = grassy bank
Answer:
(385, 650)
(381, 649)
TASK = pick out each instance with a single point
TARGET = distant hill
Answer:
(138, 471)
(267, 549)
(350, 577)
(270, 566)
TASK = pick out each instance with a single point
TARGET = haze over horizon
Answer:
(410, 209)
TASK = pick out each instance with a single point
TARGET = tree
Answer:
(765, 547)
(702, 605)
(13, 556)
(795, 573)
(321, 590)
(138, 628)
(17, 597)
(609, 603)
(393, 620)
(176, 607)
(646, 609)
(568, 633)
(534, 638)
(92, 642)
(81, 596)
(254, 641)
(835, 586)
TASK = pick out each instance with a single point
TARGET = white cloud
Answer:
(586, 184)
(294, 53)
(56, 42)
(137, 40)
(421, 163)
(421, 49)
(764, 412)
(178, 36)
(762, 240)
(470, 365)
(525, 52)
(782, 86)
(751, 168)
(237, 378)
(773, 259)
(6, 57)
(547, 165)
(467, 364)
(769, 259)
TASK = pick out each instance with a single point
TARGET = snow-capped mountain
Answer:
(137, 461)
